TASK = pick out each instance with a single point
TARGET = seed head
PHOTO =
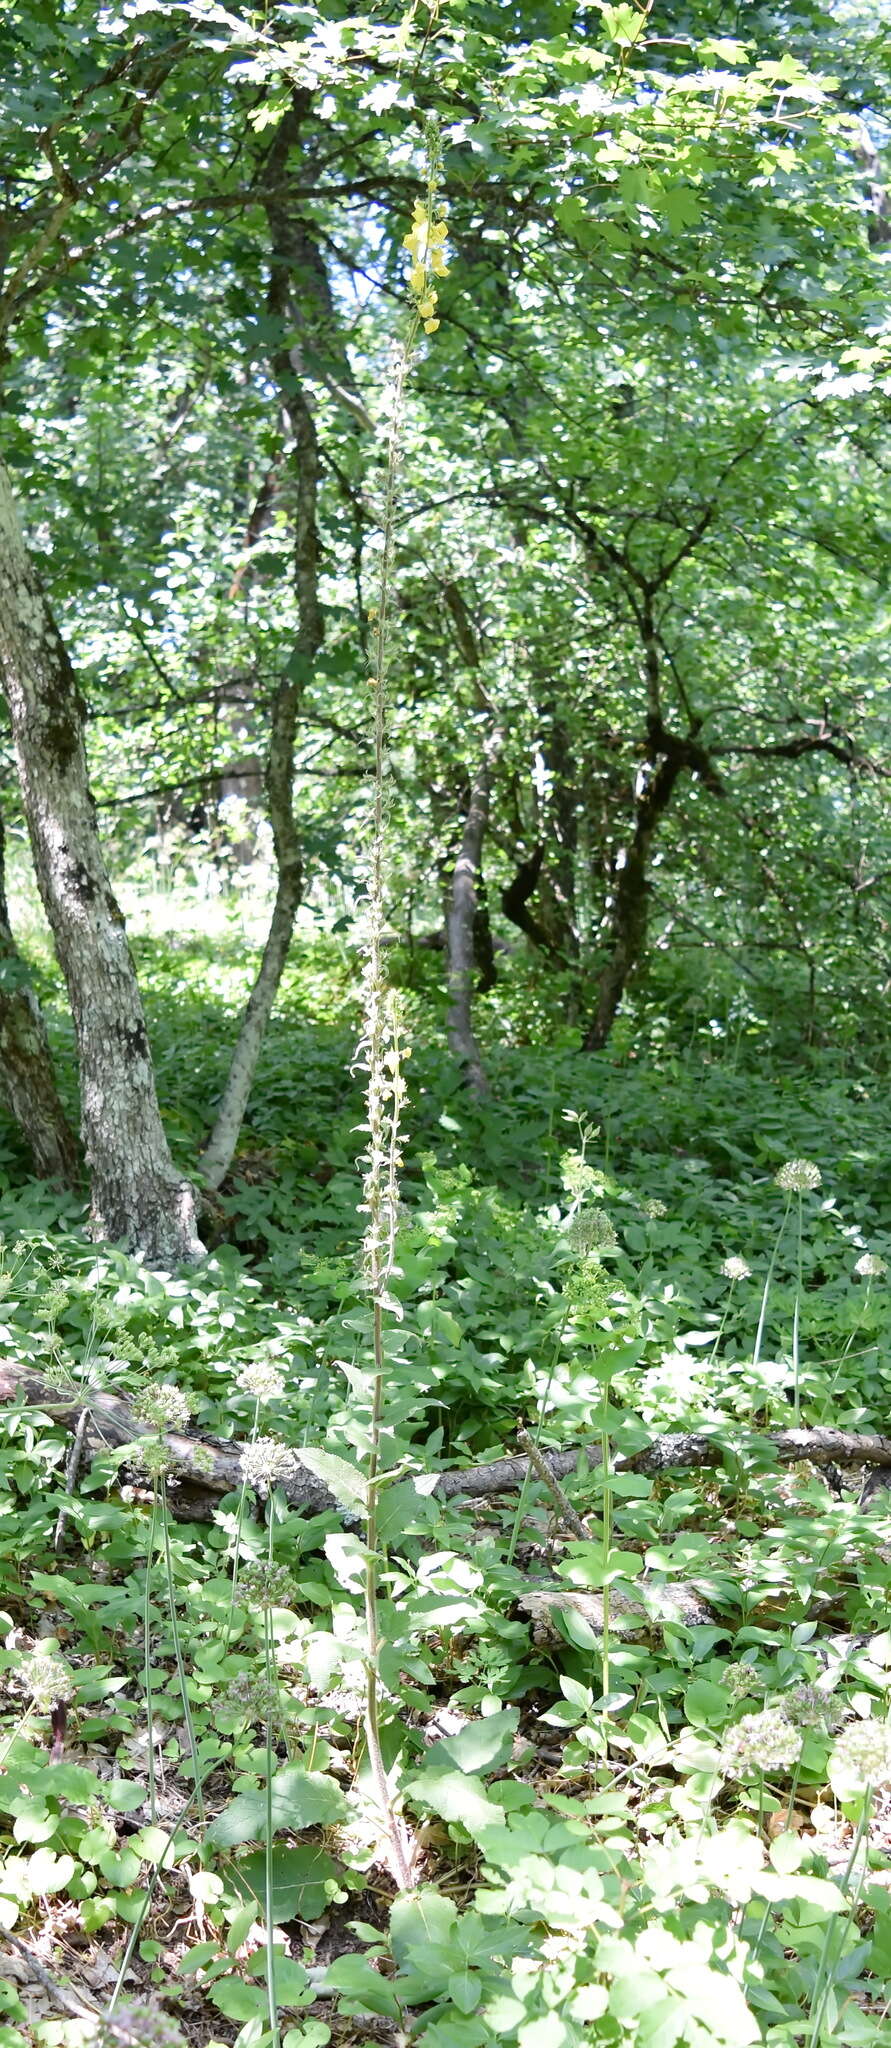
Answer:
(870, 1266)
(761, 1742)
(735, 1269)
(266, 1463)
(799, 1175)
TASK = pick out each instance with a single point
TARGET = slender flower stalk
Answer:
(380, 1051)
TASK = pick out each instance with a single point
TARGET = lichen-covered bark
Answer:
(138, 1197)
(27, 1080)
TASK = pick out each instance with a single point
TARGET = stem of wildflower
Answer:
(837, 1926)
(539, 1429)
(773, 1259)
(178, 1653)
(269, 1668)
(147, 1660)
(236, 1558)
(796, 1373)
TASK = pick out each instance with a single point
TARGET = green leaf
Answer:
(348, 1485)
(300, 1799)
(238, 2000)
(457, 1798)
(301, 1881)
(482, 1746)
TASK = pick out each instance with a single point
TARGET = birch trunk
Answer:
(27, 1080)
(138, 1197)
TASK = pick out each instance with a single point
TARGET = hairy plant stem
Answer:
(383, 1101)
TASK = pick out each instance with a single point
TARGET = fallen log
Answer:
(207, 1468)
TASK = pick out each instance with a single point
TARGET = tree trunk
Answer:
(460, 922)
(27, 1080)
(298, 295)
(138, 1197)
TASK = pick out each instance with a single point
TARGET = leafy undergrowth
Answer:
(643, 1757)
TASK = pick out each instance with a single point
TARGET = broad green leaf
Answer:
(300, 1799)
(348, 1485)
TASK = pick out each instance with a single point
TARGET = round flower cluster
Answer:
(739, 1680)
(577, 1176)
(163, 1407)
(735, 1269)
(137, 2024)
(45, 1680)
(798, 1175)
(152, 1458)
(811, 1708)
(761, 1742)
(266, 1463)
(591, 1231)
(871, 1267)
(655, 1210)
(250, 1698)
(864, 1748)
(262, 1380)
(268, 1585)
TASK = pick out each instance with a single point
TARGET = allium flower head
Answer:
(46, 1680)
(266, 1463)
(251, 1698)
(799, 1175)
(163, 1407)
(735, 1269)
(261, 1380)
(268, 1585)
(740, 1679)
(152, 1457)
(808, 1707)
(591, 1231)
(870, 1266)
(864, 1748)
(761, 1742)
(137, 2024)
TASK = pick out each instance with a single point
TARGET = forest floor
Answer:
(638, 1736)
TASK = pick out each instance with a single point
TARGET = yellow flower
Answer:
(438, 263)
(430, 326)
(427, 306)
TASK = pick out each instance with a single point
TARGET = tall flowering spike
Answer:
(799, 1176)
(427, 239)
